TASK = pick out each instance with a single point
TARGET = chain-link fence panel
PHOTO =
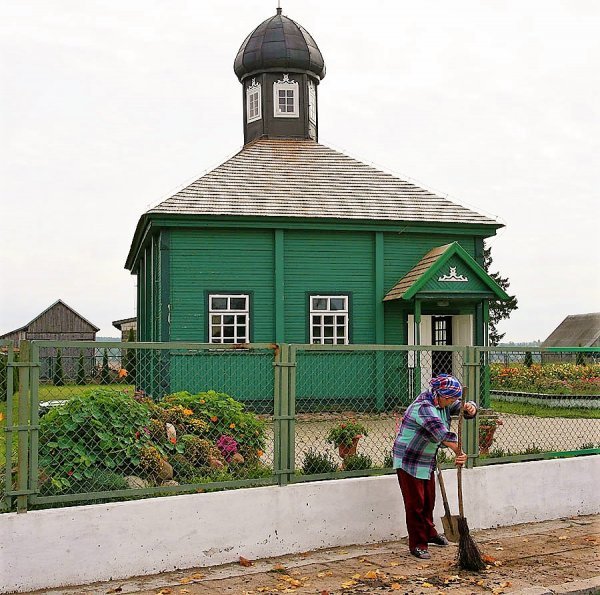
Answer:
(349, 402)
(538, 401)
(128, 419)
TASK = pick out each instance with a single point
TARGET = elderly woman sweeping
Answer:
(425, 427)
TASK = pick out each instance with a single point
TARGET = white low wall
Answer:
(59, 547)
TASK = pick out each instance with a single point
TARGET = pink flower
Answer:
(227, 446)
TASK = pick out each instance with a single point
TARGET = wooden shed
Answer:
(58, 322)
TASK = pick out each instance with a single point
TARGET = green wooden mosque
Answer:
(290, 241)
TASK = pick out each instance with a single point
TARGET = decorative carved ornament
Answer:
(453, 276)
(286, 80)
(253, 86)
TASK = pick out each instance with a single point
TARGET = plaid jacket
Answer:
(424, 427)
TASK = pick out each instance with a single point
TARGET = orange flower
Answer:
(1, 416)
(173, 440)
(188, 412)
(122, 373)
(202, 401)
(260, 453)
(214, 418)
(232, 426)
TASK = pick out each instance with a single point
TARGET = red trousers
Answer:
(419, 500)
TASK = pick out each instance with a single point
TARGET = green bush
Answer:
(344, 433)
(528, 361)
(101, 430)
(357, 462)
(388, 461)
(103, 481)
(316, 462)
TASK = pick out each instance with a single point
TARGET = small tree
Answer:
(528, 361)
(580, 358)
(129, 357)
(104, 370)
(58, 377)
(499, 310)
(80, 378)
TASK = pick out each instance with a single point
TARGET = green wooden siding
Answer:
(220, 260)
(329, 263)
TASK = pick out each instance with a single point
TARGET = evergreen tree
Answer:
(498, 310)
(80, 378)
(129, 358)
(58, 377)
(104, 370)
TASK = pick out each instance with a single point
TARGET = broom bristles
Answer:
(469, 556)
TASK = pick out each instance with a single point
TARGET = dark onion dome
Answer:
(279, 44)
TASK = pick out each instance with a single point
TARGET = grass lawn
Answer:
(541, 411)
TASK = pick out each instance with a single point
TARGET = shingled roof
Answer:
(302, 178)
(576, 330)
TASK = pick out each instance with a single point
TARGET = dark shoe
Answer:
(422, 554)
(438, 540)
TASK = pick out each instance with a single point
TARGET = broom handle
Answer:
(459, 470)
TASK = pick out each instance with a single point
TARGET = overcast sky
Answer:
(110, 106)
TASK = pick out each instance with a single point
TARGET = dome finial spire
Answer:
(278, 6)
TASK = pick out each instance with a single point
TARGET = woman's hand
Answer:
(470, 409)
(461, 459)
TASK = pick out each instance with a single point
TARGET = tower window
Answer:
(253, 109)
(312, 102)
(285, 98)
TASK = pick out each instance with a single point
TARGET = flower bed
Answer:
(107, 440)
(554, 379)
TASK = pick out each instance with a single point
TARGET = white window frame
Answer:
(253, 91)
(286, 85)
(222, 313)
(319, 318)
(312, 102)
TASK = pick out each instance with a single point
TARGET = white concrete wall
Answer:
(59, 547)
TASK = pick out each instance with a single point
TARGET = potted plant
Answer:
(345, 437)
(488, 422)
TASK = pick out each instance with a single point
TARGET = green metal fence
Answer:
(95, 421)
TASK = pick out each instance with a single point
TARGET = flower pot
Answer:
(486, 438)
(345, 451)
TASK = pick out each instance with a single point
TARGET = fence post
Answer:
(8, 479)
(23, 427)
(472, 380)
(284, 416)
(35, 418)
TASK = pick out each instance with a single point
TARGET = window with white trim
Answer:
(229, 318)
(312, 102)
(253, 102)
(285, 98)
(329, 319)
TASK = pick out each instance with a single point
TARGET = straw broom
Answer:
(468, 556)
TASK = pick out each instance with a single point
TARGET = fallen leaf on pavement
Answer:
(185, 581)
(184, 590)
(395, 586)
(563, 537)
(371, 574)
(278, 568)
(324, 592)
(394, 563)
(488, 559)
(355, 576)
(427, 585)
(116, 589)
(347, 584)
(197, 576)
(165, 592)
(245, 562)
(497, 563)
(499, 549)
(506, 584)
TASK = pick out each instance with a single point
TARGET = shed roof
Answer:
(26, 326)
(576, 330)
(302, 178)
